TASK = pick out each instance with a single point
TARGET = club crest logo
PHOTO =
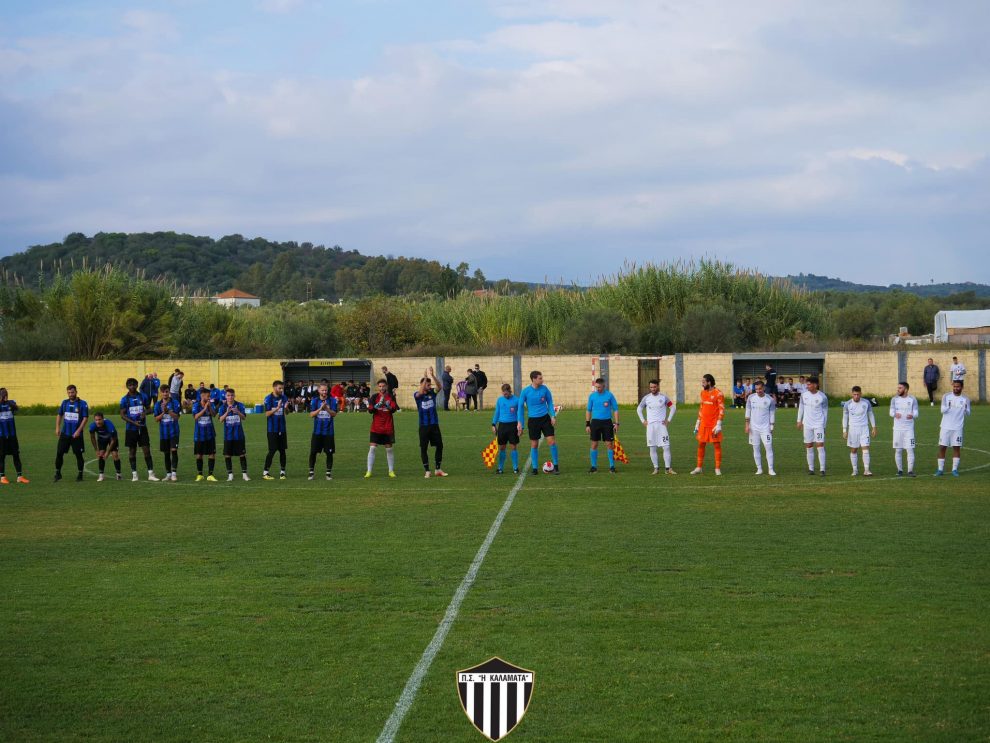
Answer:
(495, 695)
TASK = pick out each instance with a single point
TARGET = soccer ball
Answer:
(548, 466)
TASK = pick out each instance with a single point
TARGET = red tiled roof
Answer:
(236, 294)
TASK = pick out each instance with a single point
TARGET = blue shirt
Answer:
(538, 400)
(134, 407)
(276, 421)
(7, 429)
(426, 404)
(323, 421)
(168, 426)
(156, 383)
(72, 414)
(601, 405)
(203, 428)
(103, 435)
(233, 428)
(218, 396)
(506, 410)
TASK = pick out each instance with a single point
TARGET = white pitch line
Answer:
(408, 695)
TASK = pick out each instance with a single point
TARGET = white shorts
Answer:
(657, 435)
(814, 435)
(950, 438)
(903, 439)
(760, 437)
(858, 438)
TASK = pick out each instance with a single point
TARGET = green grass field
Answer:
(650, 608)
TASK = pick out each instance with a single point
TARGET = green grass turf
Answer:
(650, 608)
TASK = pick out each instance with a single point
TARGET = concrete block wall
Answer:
(568, 377)
(498, 369)
(33, 382)
(876, 373)
(696, 365)
(408, 370)
(623, 379)
(917, 360)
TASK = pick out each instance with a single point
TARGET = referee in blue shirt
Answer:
(600, 421)
(536, 398)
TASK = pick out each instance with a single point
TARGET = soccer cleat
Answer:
(58, 476)
(536, 471)
(367, 474)
(854, 473)
(134, 477)
(515, 471)
(245, 477)
(79, 477)
(98, 479)
(718, 471)
(556, 470)
(900, 473)
(811, 473)
(670, 471)
(439, 473)
(867, 473)
(119, 477)
(592, 470)
(391, 473)
(759, 472)
(282, 476)
(311, 477)
(266, 476)
(955, 473)
(329, 477)
(230, 477)
(911, 473)
(822, 473)
(771, 473)
(499, 472)
(938, 473)
(200, 478)
(656, 471)
(151, 477)
(696, 471)
(4, 480)
(22, 480)
(426, 474)
(611, 470)
(211, 478)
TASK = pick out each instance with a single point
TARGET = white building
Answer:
(237, 298)
(962, 326)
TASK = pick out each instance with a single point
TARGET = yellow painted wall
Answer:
(875, 372)
(696, 365)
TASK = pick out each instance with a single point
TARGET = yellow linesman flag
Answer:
(620, 453)
(489, 453)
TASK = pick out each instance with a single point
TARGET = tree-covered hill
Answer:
(815, 283)
(272, 270)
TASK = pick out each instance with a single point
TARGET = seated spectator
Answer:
(783, 394)
(738, 395)
(747, 387)
(188, 398)
(352, 396)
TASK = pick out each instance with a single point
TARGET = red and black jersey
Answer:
(382, 406)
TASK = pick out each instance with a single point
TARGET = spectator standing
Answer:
(147, 387)
(931, 376)
(471, 390)
(957, 370)
(156, 384)
(770, 377)
(447, 381)
(175, 385)
(482, 385)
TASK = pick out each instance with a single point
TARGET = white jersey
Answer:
(955, 408)
(907, 405)
(858, 414)
(760, 412)
(813, 410)
(656, 407)
(957, 371)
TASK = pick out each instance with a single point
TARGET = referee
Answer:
(600, 421)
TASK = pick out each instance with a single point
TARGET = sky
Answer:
(536, 140)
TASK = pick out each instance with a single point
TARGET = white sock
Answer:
(769, 450)
(821, 457)
(910, 458)
(654, 458)
(371, 458)
(854, 458)
(811, 457)
(955, 463)
(666, 457)
(866, 460)
(897, 459)
(941, 464)
(756, 456)
(390, 456)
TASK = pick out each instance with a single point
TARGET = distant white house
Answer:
(962, 326)
(237, 298)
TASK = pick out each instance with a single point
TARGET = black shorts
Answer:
(602, 430)
(430, 435)
(382, 438)
(322, 443)
(110, 444)
(205, 447)
(134, 439)
(168, 444)
(278, 441)
(507, 433)
(541, 425)
(9, 446)
(66, 442)
(234, 447)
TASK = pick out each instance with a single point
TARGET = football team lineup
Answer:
(533, 409)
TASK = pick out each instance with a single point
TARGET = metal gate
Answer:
(648, 369)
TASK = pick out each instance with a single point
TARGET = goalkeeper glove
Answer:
(718, 428)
